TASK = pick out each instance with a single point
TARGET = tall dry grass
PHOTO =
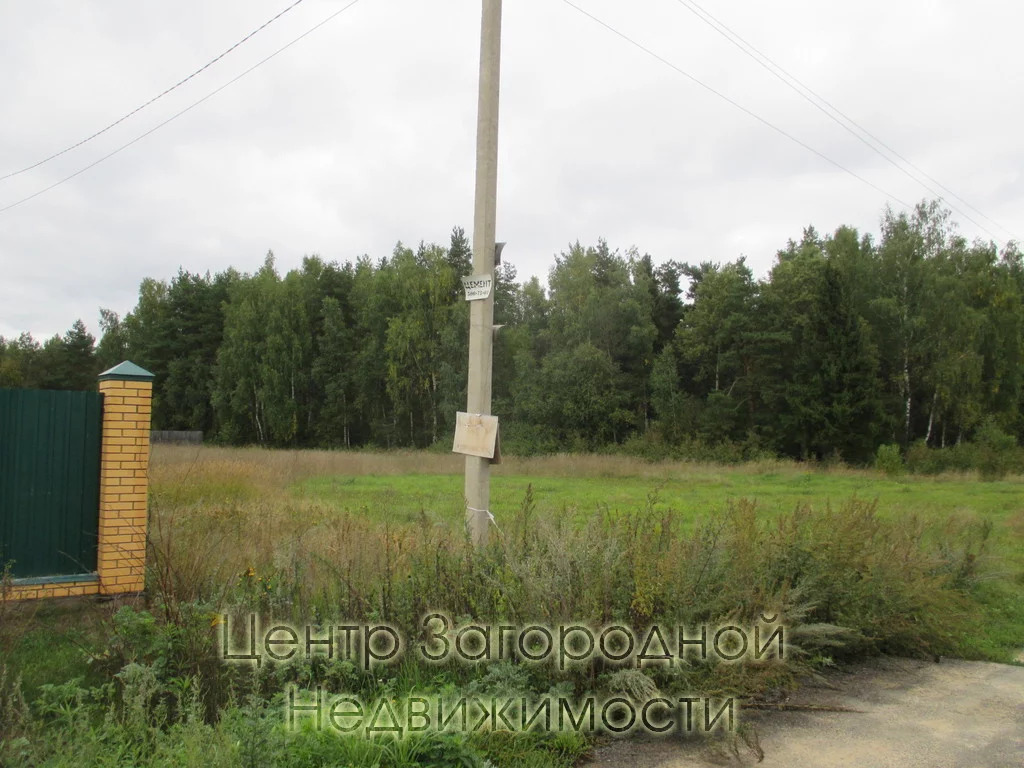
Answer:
(273, 468)
(242, 540)
(269, 469)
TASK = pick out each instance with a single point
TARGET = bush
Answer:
(998, 451)
(889, 460)
(653, 446)
(528, 440)
(993, 453)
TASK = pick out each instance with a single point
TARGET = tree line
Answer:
(847, 344)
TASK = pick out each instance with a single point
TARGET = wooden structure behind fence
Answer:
(194, 437)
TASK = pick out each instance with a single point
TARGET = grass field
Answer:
(404, 488)
(400, 486)
(916, 565)
(691, 493)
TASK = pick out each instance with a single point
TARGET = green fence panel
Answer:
(49, 481)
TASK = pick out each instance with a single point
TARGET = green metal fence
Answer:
(49, 481)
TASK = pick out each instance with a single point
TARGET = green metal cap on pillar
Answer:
(126, 371)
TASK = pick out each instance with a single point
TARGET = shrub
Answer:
(993, 454)
(653, 446)
(997, 454)
(889, 460)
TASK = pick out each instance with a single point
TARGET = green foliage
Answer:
(846, 345)
(62, 362)
(889, 459)
(654, 446)
(998, 450)
(844, 582)
(847, 581)
(993, 454)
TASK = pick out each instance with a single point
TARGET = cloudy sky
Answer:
(362, 133)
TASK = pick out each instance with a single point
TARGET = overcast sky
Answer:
(363, 133)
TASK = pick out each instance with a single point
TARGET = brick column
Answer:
(127, 393)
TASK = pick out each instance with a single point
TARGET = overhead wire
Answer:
(850, 125)
(751, 51)
(781, 131)
(178, 114)
(159, 96)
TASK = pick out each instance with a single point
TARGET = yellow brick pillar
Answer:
(127, 393)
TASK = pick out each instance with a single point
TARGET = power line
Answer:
(141, 107)
(737, 105)
(834, 113)
(182, 112)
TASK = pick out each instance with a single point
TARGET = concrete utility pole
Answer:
(481, 313)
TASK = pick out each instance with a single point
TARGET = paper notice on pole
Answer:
(477, 435)
(477, 286)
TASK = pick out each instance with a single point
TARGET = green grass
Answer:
(352, 523)
(402, 498)
(50, 642)
(1002, 635)
(707, 491)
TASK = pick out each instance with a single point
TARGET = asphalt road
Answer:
(908, 714)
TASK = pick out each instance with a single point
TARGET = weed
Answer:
(852, 564)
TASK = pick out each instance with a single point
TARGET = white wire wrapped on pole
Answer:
(485, 512)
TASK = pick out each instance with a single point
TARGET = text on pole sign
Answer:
(477, 287)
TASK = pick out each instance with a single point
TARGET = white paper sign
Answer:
(477, 435)
(477, 286)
